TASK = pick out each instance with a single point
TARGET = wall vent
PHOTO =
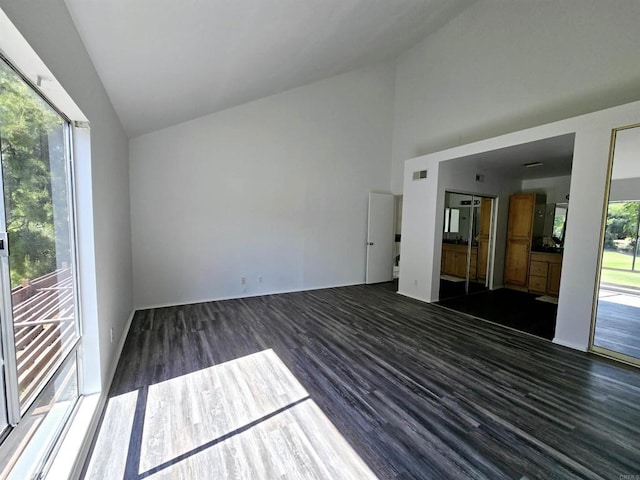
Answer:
(420, 175)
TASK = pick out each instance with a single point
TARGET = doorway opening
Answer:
(529, 184)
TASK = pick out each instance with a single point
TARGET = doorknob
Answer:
(369, 243)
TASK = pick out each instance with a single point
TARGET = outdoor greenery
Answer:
(621, 277)
(613, 259)
(622, 223)
(620, 242)
(32, 149)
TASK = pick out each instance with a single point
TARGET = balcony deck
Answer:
(44, 326)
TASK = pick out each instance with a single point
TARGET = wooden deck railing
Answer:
(44, 325)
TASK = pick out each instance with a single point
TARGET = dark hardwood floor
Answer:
(511, 308)
(618, 327)
(253, 388)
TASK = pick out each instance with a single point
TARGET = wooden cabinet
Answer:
(544, 273)
(553, 278)
(483, 236)
(454, 260)
(522, 211)
(517, 263)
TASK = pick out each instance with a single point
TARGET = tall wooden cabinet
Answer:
(523, 208)
(483, 236)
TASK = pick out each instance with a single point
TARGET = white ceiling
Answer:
(164, 62)
(555, 154)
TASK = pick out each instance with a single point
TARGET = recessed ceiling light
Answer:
(533, 164)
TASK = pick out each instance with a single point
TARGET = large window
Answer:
(38, 304)
(620, 262)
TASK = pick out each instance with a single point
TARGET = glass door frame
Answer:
(605, 352)
(492, 234)
(10, 367)
(16, 411)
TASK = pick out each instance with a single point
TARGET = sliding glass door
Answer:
(4, 420)
(466, 244)
(616, 322)
(618, 309)
(37, 251)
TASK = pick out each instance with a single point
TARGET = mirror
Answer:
(555, 225)
(616, 324)
(559, 225)
(466, 244)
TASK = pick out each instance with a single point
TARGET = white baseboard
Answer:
(116, 358)
(90, 427)
(236, 297)
(412, 296)
(574, 346)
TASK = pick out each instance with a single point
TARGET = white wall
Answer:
(103, 187)
(625, 189)
(276, 188)
(427, 201)
(504, 65)
(423, 211)
(555, 188)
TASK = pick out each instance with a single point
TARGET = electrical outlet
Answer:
(111, 334)
(260, 279)
(243, 280)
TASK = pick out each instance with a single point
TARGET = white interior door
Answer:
(380, 238)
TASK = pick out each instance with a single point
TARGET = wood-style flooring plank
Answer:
(358, 382)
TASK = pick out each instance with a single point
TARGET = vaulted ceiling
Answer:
(164, 62)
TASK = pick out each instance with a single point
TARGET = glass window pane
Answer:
(636, 249)
(33, 140)
(622, 223)
(29, 445)
(454, 224)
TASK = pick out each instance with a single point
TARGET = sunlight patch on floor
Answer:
(248, 418)
(114, 437)
(189, 411)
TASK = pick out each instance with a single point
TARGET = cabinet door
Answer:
(539, 269)
(483, 237)
(483, 254)
(553, 279)
(537, 284)
(461, 265)
(516, 270)
(449, 262)
(473, 265)
(521, 208)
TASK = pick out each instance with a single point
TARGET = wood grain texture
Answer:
(410, 389)
(618, 325)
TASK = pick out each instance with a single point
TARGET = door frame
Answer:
(15, 411)
(489, 280)
(370, 243)
(605, 352)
